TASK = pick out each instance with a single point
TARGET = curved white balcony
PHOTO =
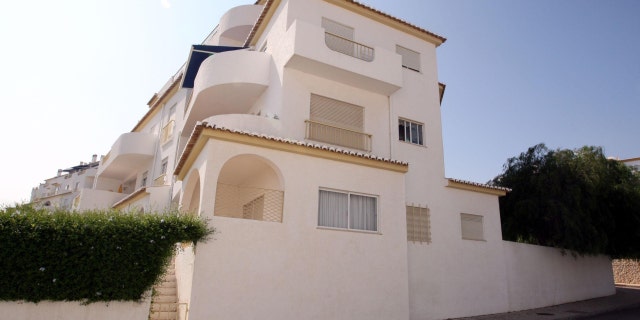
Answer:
(235, 24)
(132, 152)
(227, 83)
(314, 51)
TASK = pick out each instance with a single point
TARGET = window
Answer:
(418, 224)
(410, 131)
(410, 58)
(337, 28)
(143, 180)
(337, 122)
(472, 227)
(163, 166)
(345, 210)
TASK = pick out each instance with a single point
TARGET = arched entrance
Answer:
(250, 187)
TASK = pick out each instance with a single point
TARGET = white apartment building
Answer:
(633, 163)
(309, 133)
(62, 190)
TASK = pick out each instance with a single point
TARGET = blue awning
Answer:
(196, 56)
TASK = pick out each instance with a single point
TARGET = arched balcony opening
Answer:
(250, 187)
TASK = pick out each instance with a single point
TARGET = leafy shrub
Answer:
(91, 256)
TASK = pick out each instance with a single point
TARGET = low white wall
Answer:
(48, 310)
(542, 276)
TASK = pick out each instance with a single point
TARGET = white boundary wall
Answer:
(542, 276)
(48, 310)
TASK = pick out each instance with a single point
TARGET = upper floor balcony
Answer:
(322, 53)
(132, 152)
(227, 83)
(235, 24)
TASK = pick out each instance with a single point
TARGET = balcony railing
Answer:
(338, 136)
(167, 132)
(348, 47)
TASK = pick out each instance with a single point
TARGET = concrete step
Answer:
(163, 315)
(161, 291)
(163, 299)
(165, 307)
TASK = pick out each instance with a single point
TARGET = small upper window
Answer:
(143, 181)
(163, 166)
(410, 131)
(410, 58)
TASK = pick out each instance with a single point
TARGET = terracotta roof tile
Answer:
(197, 131)
(481, 185)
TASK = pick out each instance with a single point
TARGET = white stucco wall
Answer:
(452, 277)
(295, 270)
(47, 310)
(542, 276)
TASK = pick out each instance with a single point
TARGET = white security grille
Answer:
(249, 203)
(472, 228)
(418, 224)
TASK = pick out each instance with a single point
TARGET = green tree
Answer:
(573, 199)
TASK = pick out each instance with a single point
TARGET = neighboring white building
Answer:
(633, 163)
(309, 133)
(63, 190)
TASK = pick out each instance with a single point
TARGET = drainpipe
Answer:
(390, 129)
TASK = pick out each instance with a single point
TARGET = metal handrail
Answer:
(186, 310)
(348, 47)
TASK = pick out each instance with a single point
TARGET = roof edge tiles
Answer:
(353, 6)
(204, 131)
(477, 187)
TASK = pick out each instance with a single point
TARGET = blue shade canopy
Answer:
(196, 56)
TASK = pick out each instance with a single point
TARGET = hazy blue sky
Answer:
(77, 74)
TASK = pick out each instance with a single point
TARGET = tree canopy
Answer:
(573, 199)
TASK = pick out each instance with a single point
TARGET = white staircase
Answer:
(164, 303)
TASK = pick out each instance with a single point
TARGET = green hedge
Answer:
(89, 257)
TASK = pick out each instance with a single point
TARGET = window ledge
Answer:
(349, 230)
(413, 144)
(481, 240)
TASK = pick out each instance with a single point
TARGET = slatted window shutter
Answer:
(410, 58)
(336, 113)
(337, 29)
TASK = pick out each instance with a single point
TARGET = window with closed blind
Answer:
(410, 58)
(472, 226)
(337, 122)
